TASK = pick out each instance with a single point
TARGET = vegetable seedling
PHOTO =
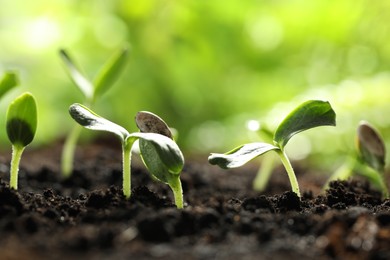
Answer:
(92, 90)
(310, 114)
(159, 152)
(21, 127)
(369, 159)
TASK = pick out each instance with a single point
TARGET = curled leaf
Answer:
(240, 155)
(148, 122)
(371, 146)
(89, 119)
(308, 115)
(22, 120)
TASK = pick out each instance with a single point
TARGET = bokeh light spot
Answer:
(42, 33)
(266, 32)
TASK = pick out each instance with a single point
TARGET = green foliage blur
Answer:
(207, 67)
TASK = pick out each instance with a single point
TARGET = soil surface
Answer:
(87, 217)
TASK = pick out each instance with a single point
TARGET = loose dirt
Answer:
(87, 217)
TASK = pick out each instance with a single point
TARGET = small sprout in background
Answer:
(269, 161)
(308, 115)
(21, 128)
(105, 78)
(158, 150)
(371, 152)
(371, 146)
(8, 82)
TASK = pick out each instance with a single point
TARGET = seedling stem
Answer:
(16, 156)
(69, 150)
(382, 185)
(290, 171)
(264, 173)
(175, 185)
(126, 152)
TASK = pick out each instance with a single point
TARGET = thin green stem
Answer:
(290, 172)
(126, 159)
(16, 155)
(375, 176)
(382, 184)
(68, 151)
(175, 185)
(264, 173)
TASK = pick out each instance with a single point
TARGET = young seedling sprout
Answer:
(92, 90)
(371, 152)
(21, 126)
(159, 152)
(308, 115)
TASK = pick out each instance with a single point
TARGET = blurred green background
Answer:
(207, 67)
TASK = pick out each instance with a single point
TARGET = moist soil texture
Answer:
(87, 217)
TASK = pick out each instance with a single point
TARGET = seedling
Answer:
(21, 128)
(308, 115)
(369, 160)
(159, 152)
(105, 78)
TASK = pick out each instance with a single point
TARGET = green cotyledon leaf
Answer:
(8, 82)
(110, 72)
(371, 146)
(240, 155)
(161, 155)
(310, 114)
(90, 120)
(153, 163)
(22, 120)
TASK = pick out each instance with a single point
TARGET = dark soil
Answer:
(87, 217)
